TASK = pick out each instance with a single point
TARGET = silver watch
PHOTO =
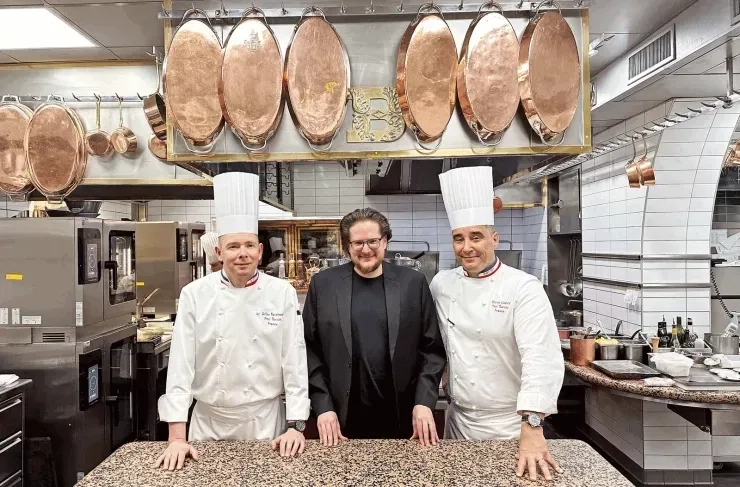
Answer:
(532, 420)
(299, 426)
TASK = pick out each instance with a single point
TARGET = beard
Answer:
(367, 267)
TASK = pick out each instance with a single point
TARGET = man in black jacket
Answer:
(375, 354)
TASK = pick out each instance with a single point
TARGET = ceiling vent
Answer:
(653, 54)
(53, 337)
(735, 11)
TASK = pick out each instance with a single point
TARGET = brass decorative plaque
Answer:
(364, 114)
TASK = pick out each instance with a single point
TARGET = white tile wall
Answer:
(199, 211)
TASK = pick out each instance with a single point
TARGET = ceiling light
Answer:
(37, 28)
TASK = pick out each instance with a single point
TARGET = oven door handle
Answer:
(112, 265)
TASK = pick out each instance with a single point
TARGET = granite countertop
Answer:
(15, 388)
(356, 463)
(593, 376)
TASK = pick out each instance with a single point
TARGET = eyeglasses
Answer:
(373, 243)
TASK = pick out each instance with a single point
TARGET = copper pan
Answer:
(190, 79)
(123, 138)
(549, 74)
(487, 75)
(317, 79)
(97, 141)
(425, 75)
(646, 167)
(158, 147)
(250, 87)
(634, 177)
(55, 149)
(15, 180)
(155, 108)
(498, 204)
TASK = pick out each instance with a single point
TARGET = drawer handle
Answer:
(11, 405)
(17, 440)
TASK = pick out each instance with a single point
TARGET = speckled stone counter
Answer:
(356, 463)
(592, 376)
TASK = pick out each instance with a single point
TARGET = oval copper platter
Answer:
(549, 75)
(250, 87)
(55, 150)
(317, 79)
(487, 75)
(425, 74)
(15, 179)
(190, 78)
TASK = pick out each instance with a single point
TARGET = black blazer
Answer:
(416, 348)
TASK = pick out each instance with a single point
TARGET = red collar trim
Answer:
(488, 272)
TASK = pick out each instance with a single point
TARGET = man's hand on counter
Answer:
(329, 430)
(174, 456)
(533, 454)
(424, 427)
(290, 443)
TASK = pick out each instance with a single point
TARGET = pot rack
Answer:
(726, 101)
(294, 13)
(137, 98)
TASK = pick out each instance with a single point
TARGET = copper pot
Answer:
(158, 147)
(487, 75)
(550, 90)
(123, 138)
(647, 174)
(582, 350)
(426, 88)
(634, 176)
(97, 141)
(155, 108)
(15, 180)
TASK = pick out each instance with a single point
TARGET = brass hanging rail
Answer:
(73, 98)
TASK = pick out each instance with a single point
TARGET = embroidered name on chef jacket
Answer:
(271, 318)
(500, 306)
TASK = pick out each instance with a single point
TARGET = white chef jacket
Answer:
(236, 350)
(503, 349)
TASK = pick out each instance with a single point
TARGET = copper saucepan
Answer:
(123, 138)
(487, 75)
(155, 108)
(158, 147)
(15, 180)
(190, 81)
(549, 74)
(97, 141)
(250, 86)
(647, 174)
(317, 79)
(634, 177)
(426, 75)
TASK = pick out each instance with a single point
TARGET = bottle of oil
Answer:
(291, 267)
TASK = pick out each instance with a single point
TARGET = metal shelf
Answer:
(586, 255)
(662, 285)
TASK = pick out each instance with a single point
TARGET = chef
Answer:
(505, 365)
(209, 243)
(237, 344)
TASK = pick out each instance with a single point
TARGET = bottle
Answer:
(690, 340)
(663, 334)
(281, 267)
(300, 270)
(675, 343)
(731, 327)
(291, 267)
(680, 330)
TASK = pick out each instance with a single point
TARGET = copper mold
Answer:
(190, 79)
(250, 88)
(15, 180)
(487, 75)
(425, 74)
(549, 75)
(55, 150)
(317, 79)
(97, 141)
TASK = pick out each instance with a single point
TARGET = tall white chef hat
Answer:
(236, 196)
(468, 196)
(209, 242)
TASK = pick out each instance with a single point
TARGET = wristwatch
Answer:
(299, 426)
(532, 420)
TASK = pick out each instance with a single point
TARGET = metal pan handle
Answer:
(427, 8)
(254, 10)
(488, 5)
(196, 11)
(421, 144)
(495, 140)
(323, 150)
(13, 98)
(251, 148)
(538, 130)
(312, 9)
(552, 3)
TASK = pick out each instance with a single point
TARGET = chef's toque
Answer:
(236, 196)
(209, 242)
(468, 196)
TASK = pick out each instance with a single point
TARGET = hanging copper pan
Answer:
(487, 75)
(250, 87)
(645, 166)
(155, 108)
(425, 74)
(55, 149)
(15, 180)
(97, 141)
(158, 147)
(123, 138)
(549, 74)
(634, 177)
(316, 78)
(190, 78)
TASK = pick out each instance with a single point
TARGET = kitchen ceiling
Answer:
(127, 29)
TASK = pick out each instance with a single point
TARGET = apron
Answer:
(239, 322)
(481, 347)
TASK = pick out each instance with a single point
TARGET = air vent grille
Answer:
(53, 337)
(652, 56)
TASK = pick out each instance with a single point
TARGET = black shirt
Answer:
(372, 400)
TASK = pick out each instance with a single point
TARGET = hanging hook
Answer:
(341, 7)
(519, 5)
(460, 7)
(400, 6)
(372, 7)
(141, 98)
(97, 97)
(75, 97)
(282, 8)
(35, 98)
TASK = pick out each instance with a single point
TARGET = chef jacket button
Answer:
(475, 355)
(472, 382)
(222, 391)
(479, 331)
(220, 313)
(219, 338)
(249, 365)
(349, 364)
(346, 393)
(254, 338)
(453, 300)
(222, 364)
